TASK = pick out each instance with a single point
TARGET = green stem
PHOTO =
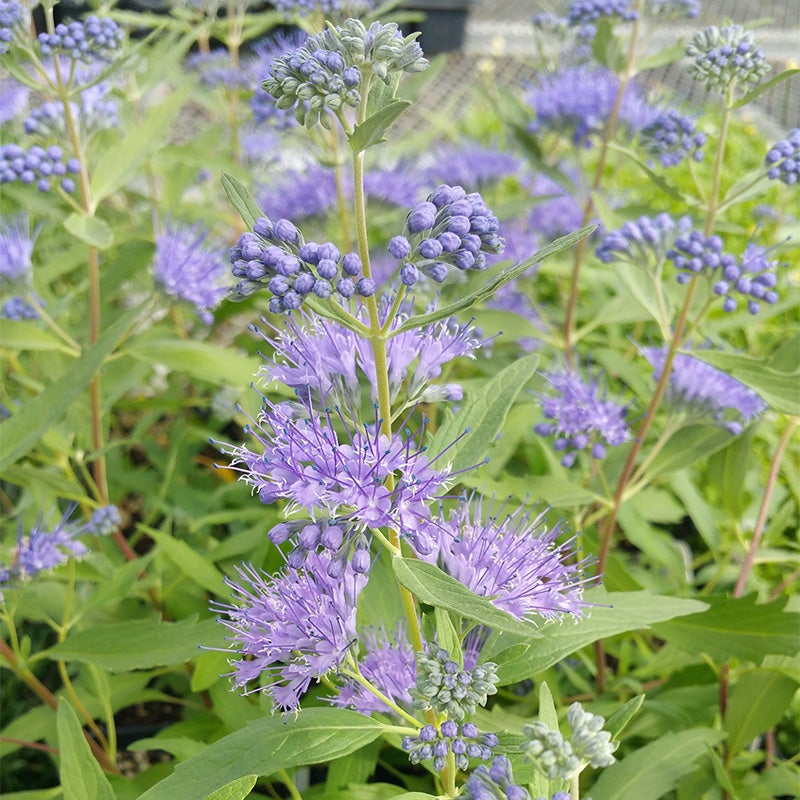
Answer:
(290, 785)
(356, 675)
(663, 380)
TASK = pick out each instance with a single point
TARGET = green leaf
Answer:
(736, 628)
(620, 719)
(119, 164)
(727, 469)
(81, 776)
(496, 282)
(605, 47)
(641, 285)
(182, 747)
(667, 55)
(235, 790)
(773, 81)
(758, 701)
(139, 644)
(241, 198)
(355, 768)
(21, 433)
(547, 707)
(556, 492)
(484, 416)
(779, 388)
(371, 131)
(92, 230)
(20, 335)
(611, 613)
(266, 745)
(194, 565)
(202, 360)
(438, 589)
(688, 445)
(656, 768)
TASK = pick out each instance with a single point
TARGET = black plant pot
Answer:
(442, 29)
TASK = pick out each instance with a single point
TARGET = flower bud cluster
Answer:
(105, 520)
(495, 782)
(671, 137)
(343, 542)
(275, 256)
(584, 12)
(724, 55)
(445, 688)
(463, 741)
(638, 242)
(94, 39)
(753, 277)
(783, 159)
(550, 752)
(17, 308)
(590, 742)
(95, 114)
(12, 16)
(450, 227)
(37, 165)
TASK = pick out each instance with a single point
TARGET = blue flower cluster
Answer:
(495, 782)
(642, 240)
(578, 100)
(216, 70)
(94, 39)
(17, 308)
(724, 55)
(12, 15)
(783, 159)
(95, 113)
(275, 256)
(581, 418)
(583, 12)
(450, 227)
(463, 741)
(672, 137)
(43, 549)
(37, 164)
(753, 277)
(262, 104)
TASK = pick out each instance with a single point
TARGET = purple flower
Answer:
(388, 663)
(17, 308)
(583, 12)
(513, 560)
(326, 474)
(216, 70)
(13, 98)
(291, 628)
(671, 137)
(559, 214)
(470, 164)
(783, 159)
(581, 417)
(94, 39)
(700, 390)
(579, 100)
(317, 357)
(495, 782)
(16, 248)
(45, 548)
(186, 268)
